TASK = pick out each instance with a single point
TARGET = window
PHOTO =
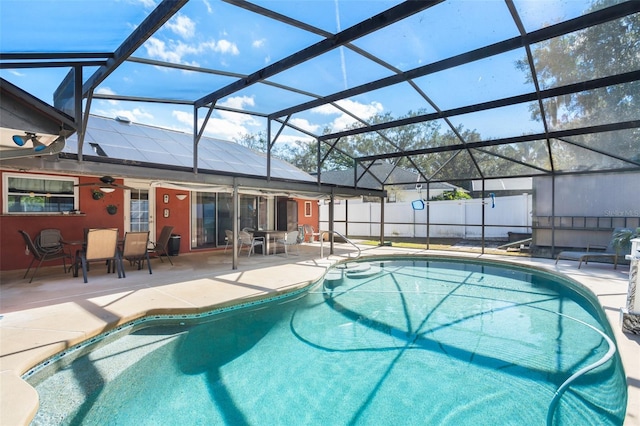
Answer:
(23, 193)
(139, 210)
(307, 209)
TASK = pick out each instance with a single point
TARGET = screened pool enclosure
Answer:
(452, 91)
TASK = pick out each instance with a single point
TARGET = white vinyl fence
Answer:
(448, 219)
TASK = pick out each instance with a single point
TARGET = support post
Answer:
(235, 214)
(484, 206)
(428, 215)
(553, 216)
(382, 220)
(332, 205)
(81, 126)
(346, 218)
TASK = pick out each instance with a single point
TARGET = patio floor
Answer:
(57, 310)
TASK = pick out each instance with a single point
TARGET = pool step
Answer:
(353, 266)
(363, 272)
(334, 275)
(333, 278)
(358, 270)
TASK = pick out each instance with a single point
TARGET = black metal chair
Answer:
(49, 241)
(161, 247)
(42, 256)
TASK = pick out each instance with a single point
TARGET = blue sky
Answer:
(215, 35)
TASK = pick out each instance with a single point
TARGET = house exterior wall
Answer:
(303, 219)
(94, 215)
(178, 216)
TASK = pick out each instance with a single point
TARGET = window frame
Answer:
(35, 176)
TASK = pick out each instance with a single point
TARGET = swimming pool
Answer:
(384, 341)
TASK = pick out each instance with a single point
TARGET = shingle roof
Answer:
(379, 172)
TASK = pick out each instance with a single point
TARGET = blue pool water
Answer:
(383, 342)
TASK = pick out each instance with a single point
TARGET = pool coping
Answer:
(30, 336)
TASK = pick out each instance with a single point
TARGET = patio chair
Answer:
(42, 256)
(135, 250)
(161, 247)
(290, 239)
(610, 252)
(49, 241)
(246, 239)
(101, 245)
(309, 230)
(228, 239)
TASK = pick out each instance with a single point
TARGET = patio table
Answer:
(270, 238)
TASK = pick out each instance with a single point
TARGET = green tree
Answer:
(254, 141)
(601, 50)
(456, 194)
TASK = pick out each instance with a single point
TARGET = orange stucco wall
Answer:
(312, 220)
(178, 216)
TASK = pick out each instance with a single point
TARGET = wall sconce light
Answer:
(107, 190)
(22, 140)
(181, 196)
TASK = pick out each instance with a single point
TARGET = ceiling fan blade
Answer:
(105, 182)
(104, 185)
(122, 186)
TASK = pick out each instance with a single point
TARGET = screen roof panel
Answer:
(442, 31)
(328, 16)
(103, 28)
(420, 80)
(480, 81)
(536, 14)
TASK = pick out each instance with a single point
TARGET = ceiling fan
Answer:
(106, 184)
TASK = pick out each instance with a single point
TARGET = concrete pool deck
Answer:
(57, 311)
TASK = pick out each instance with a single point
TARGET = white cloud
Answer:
(136, 115)
(238, 119)
(258, 43)
(157, 49)
(107, 91)
(304, 124)
(175, 51)
(238, 102)
(225, 129)
(182, 25)
(292, 139)
(225, 46)
(226, 125)
(185, 118)
(148, 3)
(360, 110)
(208, 5)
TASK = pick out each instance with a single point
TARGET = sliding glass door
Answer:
(203, 220)
(211, 215)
